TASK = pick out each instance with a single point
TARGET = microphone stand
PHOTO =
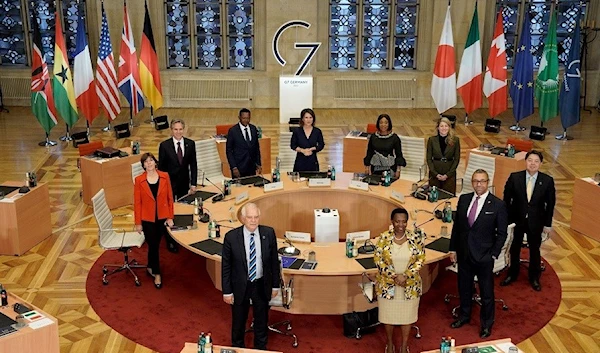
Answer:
(219, 197)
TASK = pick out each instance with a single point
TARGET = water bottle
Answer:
(447, 213)
(201, 343)
(348, 248)
(511, 151)
(208, 344)
(217, 230)
(278, 174)
(444, 345)
(329, 171)
(3, 295)
(259, 132)
(273, 176)
(433, 195)
(226, 188)
(196, 208)
(387, 178)
(212, 229)
(452, 345)
(333, 173)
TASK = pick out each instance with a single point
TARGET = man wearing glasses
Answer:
(478, 234)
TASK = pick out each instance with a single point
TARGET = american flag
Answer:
(106, 77)
(129, 73)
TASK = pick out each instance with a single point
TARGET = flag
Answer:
(62, 82)
(149, 72)
(494, 82)
(521, 84)
(42, 101)
(571, 85)
(469, 77)
(546, 83)
(106, 76)
(129, 74)
(443, 83)
(83, 75)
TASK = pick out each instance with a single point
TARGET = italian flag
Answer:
(443, 83)
(494, 82)
(469, 77)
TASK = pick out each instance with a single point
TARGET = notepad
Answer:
(183, 220)
(441, 245)
(209, 246)
(367, 263)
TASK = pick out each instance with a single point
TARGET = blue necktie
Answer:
(252, 270)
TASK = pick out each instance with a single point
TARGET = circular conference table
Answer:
(333, 286)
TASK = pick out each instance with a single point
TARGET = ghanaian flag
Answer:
(149, 72)
(62, 82)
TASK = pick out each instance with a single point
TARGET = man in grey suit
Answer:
(530, 197)
(250, 270)
(478, 234)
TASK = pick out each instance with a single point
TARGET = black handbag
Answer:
(365, 321)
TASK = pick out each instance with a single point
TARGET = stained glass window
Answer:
(216, 40)
(12, 43)
(387, 30)
(539, 14)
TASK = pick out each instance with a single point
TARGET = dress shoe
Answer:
(459, 323)
(485, 332)
(508, 280)
(172, 247)
(535, 284)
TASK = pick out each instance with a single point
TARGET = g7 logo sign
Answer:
(312, 46)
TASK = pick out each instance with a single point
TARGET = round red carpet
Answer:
(165, 319)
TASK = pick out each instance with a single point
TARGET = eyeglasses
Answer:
(480, 181)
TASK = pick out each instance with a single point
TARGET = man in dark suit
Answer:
(478, 234)
(177, 157)
(530, 197)
(243, 150)
(250, 271)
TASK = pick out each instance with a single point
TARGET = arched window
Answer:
(200, 37)
(373, 34)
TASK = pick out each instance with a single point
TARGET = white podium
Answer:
(327, 226)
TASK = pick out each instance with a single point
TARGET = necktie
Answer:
(473, 211)
(252, 268)
(179, 153)
(529, 188)
(247, 136)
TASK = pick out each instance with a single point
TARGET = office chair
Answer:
(286, 155)
(476, 161)
(413, 149)
(521, 145)
(502, 262)
(367, 286)
(110, 238)
(208, 161)
(284, 299)
(136, 169)
(525, 244)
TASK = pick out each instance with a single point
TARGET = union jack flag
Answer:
(106, 76)
(129, 74)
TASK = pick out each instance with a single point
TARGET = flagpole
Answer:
(107, 127)
(517, 127)
(67, 136)
(47, 142)
(151, 120)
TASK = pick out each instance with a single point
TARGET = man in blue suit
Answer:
(478, 235)
(243, 150)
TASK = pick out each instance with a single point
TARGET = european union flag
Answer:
(521, 84)
(571, 87)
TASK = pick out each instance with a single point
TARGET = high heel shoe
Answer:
(158, 285)
(386, 348)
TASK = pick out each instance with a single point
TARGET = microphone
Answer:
(219, 197)
(418, 227)
(289, 250)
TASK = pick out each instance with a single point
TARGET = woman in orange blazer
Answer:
(153, 209)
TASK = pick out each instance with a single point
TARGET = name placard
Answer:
(359, 236)
(358, 185)
(298, 237)
(274, 186)
(319, 182)
(242, 197)
(398, 196)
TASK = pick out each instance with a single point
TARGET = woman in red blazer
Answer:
(153, 209)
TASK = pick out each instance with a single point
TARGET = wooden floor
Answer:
(52, 275)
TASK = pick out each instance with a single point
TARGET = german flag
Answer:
(149, 72)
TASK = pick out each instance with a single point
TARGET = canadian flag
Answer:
(494, 82)
(443, 83)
